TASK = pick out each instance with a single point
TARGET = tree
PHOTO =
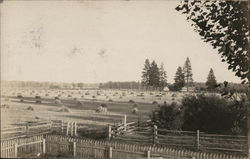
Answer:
(211, 81)
(187, 71)
(154, 75)
(163, 77)
(224, 24)
(201, 111)
(146, 73)
(179, 81)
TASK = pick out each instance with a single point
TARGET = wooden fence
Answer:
(65, 146)
(22, 147)
(146, 133)
(74, 147)
(43, 127)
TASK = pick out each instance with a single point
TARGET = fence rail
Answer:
(146, 133)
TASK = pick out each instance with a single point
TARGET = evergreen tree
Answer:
(154, 75)
(187, 70)
(163, 77)
(146, 74)
(211, 81)
(179, 80)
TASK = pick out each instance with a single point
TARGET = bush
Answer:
(168, 117)
(213, 114)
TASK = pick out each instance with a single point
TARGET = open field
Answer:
(81, 105)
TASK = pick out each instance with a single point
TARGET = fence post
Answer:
(72, 129)
(155, 135)
(75, 130)
(110, 152)
(148, 154)
(109, 132)
(74, 149)
(27, 129)
(16, 151)
(67, 131)
(125, 122)
(62, 126)
(198, 139)
(44, 146)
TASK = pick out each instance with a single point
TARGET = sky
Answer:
(100, 41)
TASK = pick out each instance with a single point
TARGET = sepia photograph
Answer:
(125, 79)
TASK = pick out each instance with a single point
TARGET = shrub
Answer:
(168, 117)
(201, 112)
(69, 95)
(57, 98)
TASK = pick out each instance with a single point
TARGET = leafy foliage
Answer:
(210, 114)
(224, 24)
(214, 114)
(168, 117)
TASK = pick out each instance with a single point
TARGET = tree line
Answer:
(154, 77)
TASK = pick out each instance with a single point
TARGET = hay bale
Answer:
(102, 109)
(135, 110)
(30, 108)
(79, 103)
(5, 106)
(131, 101)
(58, 101)
(154, 102)
(64, 109)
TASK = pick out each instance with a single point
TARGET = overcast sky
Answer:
(99, 41)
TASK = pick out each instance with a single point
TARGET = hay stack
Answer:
(64, 109)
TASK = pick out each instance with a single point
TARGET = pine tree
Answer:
(179, 79)
(146, 74)
(154, 75)
(163, 77)
(187, 70)
(211, 81)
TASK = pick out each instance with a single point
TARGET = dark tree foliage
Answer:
(179, 80)
(187, 71)
(213, 114)
(146, 73)
(211, 81)
(154, 76)
(224, 24)
(168, 117)
(163, 77)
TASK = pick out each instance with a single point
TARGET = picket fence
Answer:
(22, 147)
(65, 146)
